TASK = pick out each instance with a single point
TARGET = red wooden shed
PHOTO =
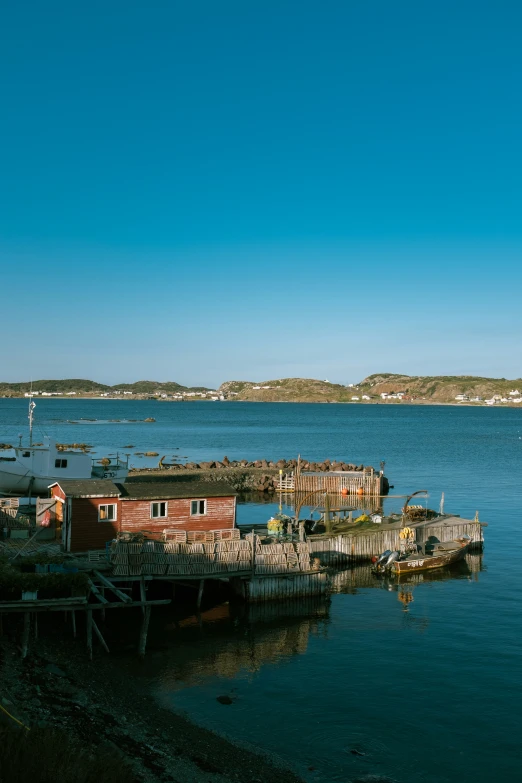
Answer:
(93, 511)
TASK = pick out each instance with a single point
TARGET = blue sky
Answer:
(205, 191)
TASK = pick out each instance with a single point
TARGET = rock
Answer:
(149, 419)
(226, 461)
(224, 700)
(151, 454)
(281, 464)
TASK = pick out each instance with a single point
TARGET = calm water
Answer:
(431, 694)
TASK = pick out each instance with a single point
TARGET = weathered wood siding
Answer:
(86, 532)
(333, 482)
(136, 515)
(335, 550)
(270, 588)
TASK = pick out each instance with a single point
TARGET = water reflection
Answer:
(360, 576)
(237, 640)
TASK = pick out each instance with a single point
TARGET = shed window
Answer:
(60, 463)
(107, 512)
(198, 507)
(26, 454)
(158, 510)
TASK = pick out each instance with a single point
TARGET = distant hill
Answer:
(82, 386)
(149, 387)
(438, 388)
(286, 390)
(70, 384)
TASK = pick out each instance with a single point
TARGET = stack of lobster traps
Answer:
(182, 553)
(282, 558)
(202, 553)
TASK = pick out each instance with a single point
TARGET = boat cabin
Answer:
(92, 512)
(34, 467)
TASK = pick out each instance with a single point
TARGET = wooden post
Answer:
(143, 596)
(25, 635)
(200, 593)
(100, 637)
(73, 618)
(253, 553)
(89, 632)
(143, 633)
(36, 625)
(301, 532)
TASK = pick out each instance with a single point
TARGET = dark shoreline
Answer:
(98, 704)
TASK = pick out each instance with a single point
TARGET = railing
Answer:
(286, 483)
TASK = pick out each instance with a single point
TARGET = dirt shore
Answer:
(57, 686)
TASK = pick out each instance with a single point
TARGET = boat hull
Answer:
(413, 565)
(13, 483)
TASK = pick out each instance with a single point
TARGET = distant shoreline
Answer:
(147, 398)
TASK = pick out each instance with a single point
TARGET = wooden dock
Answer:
(336, 549)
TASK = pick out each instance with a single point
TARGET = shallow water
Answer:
(429, 694)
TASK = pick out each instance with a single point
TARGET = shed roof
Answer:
(166, 490)
(88, 488)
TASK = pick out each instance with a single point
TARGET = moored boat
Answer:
(32, 468)
(417, 558)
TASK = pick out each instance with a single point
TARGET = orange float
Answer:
(344, 491)
(360, 491)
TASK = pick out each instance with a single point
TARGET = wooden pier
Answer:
(336, 549)
(257, 571)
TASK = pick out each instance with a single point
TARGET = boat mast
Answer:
(32, 406)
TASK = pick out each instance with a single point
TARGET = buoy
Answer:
(360, 491)
(344, 491)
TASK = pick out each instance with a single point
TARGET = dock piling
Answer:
(89, 632)
(99, 635)
(143, 633)
(200, 593)
(25, 634)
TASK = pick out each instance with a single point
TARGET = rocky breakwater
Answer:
(243, 475)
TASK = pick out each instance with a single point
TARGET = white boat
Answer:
(31, 469)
